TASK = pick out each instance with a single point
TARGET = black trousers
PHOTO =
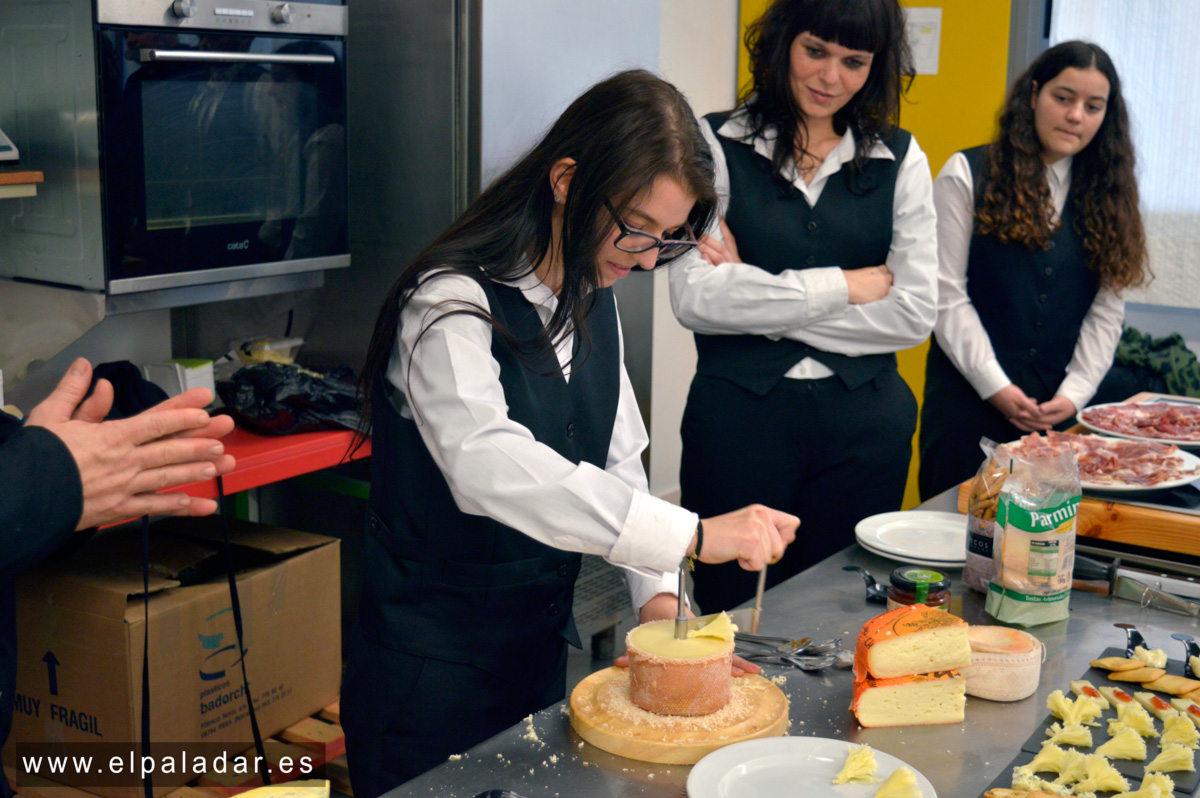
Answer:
(404, 714)
(813, 448)
(954, 418)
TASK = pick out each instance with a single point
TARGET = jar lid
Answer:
(908, 579)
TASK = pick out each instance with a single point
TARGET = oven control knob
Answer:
(184, 8)
(282, 14)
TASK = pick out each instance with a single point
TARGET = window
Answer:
(1153, 44)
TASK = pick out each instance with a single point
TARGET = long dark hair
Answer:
(1015, 204)
(623, 134)
(876, 26)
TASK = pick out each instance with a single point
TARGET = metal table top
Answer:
(544, 758)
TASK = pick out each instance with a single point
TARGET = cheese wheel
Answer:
(677, 677)
(1006, 664)
(910, 640)
(920, 700)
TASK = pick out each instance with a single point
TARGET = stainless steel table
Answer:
(544, 757)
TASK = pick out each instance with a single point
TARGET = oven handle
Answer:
(209, 56)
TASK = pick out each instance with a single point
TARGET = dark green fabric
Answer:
(1168, 357)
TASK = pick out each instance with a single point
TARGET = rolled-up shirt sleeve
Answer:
(494, 467)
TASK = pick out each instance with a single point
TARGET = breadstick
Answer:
(1118, 664)
(1138, 675)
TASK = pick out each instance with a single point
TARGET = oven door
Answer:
(223, 156)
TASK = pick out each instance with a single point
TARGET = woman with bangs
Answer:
(506, 439)
(1038, 234)
(823, 266)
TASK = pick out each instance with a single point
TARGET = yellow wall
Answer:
(946, 112)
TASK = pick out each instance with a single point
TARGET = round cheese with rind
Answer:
(1006, 664)
(677, 677)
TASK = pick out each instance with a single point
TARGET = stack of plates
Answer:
(920, 537)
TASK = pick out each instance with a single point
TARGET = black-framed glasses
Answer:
(634, 241)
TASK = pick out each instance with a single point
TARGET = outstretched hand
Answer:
(124, 463)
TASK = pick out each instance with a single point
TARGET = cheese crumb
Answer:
(455, 757)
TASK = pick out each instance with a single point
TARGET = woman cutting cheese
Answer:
(506, 439)
(796, 401)
(1038, 233)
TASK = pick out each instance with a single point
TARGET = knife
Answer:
(1147, 596)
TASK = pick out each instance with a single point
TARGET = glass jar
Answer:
(914, 585)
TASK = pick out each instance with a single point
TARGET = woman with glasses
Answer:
(824, 265)
(506, 439)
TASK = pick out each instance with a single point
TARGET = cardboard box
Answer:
(80, 626)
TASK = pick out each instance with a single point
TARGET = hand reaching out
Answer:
(123, 463)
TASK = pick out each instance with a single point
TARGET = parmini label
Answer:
(1049, 519)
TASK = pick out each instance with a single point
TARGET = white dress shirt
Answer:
(959, 331)
(812, 305)
(496, 468)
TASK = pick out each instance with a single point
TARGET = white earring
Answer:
(558, 199)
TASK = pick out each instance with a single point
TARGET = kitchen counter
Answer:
(543, 757)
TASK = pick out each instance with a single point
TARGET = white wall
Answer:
(698, 53)
(539, 55)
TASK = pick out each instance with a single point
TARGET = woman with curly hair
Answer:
(1038, 234)
(824, 265)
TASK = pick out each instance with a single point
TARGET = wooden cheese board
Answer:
(603, 714)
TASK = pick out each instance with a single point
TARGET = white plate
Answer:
(1110, 433)
(916, 535)
(939, 565)
(1189, 461)
(771, 767)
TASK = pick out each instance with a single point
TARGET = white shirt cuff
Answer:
(1077, 390)
(989, 379)
(829, 294)
(642, 587)
(656, 534)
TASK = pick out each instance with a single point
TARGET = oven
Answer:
(220, 144)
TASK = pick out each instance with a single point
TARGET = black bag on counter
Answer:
(279, 399)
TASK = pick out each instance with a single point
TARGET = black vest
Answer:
(776, 230)
(1032, 303)
(441, 583)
